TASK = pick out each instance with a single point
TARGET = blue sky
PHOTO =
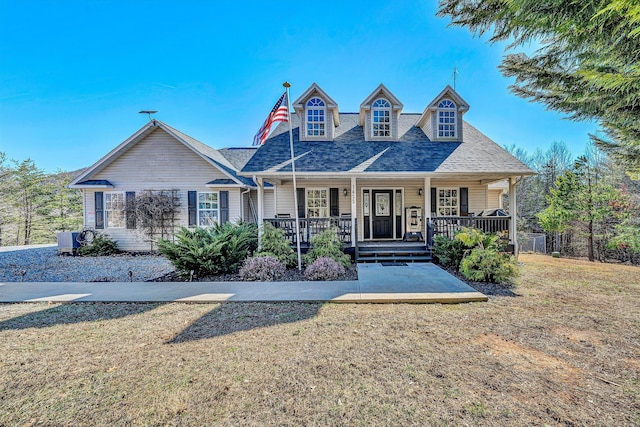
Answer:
(74, 74)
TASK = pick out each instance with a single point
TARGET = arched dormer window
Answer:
(381, 118)
(446, 119)
(315, 117)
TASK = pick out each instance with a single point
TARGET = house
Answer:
(379, 174)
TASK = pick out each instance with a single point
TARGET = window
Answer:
(114, 210)
(446, 119)
(208, 213)
(448, 201)
(317, 203)
(381, 118)
(315, 117)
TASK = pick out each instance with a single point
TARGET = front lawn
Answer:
(564, 350)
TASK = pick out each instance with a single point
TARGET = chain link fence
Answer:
(533, 242)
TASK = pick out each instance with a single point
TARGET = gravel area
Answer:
(45, 265)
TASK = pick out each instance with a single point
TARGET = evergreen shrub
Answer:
(274, 244)
(101, 245)
(327, 245)
(207, 251)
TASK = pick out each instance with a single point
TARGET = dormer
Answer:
(379, 115)
(442, 119)
(318, 114)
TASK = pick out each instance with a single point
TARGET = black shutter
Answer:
(334, 209)
(130, 206)
(464, 201)
(434, 202)
(302, 212)
(99, 207)
(224, 207)
(192, 201)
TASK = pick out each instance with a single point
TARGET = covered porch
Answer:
(387, 210)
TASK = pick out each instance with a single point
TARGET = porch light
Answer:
(345, 192)
(420, 192)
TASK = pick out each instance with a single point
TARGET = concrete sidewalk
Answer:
(415, 283)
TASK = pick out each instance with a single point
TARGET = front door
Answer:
(382, 214)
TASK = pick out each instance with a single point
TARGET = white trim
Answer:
(385, 113)
(106, 211)
(89, 187)
(306, 201)
(322, 124)
(217, 209)
(457, 189)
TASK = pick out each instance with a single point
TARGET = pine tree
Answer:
(587, 66)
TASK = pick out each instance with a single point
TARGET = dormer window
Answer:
(381, 118)
(316, 117)
(446, 119)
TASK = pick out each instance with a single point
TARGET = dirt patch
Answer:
(526, 359)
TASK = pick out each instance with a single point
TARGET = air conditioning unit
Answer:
(68, 242)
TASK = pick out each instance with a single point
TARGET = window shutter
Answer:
(130, 209)
(99, 208)
(464, 201)
(192, 202)
(301, 204)
(334, 209)
(224, 207)
(434, 202)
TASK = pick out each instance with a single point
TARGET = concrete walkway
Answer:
(415, 283)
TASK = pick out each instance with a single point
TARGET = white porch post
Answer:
(354, 211)
(513, 209)
(260, 184)
(426, 191)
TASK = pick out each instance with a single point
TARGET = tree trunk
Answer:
(590, 241)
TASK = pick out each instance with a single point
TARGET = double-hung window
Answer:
(208, 209)
(446, 119)
(114, 210)
(448, 201)
(317, 203)
(381, 118)
(315, 117)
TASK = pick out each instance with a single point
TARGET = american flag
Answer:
(279, 113)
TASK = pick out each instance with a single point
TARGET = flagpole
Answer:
(287, 85)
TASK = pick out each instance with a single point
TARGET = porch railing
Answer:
(448, 225)
(310, 227)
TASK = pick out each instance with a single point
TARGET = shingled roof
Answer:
(413, 152)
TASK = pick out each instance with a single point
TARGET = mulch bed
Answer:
(290, 275)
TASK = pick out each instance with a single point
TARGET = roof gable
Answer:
(447, 92)
(314, 89)
(380, 92)
(210, 155)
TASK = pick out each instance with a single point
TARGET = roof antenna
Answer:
(455, 74)
(149, 112)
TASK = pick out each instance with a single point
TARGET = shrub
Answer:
(273, 243)
(324, 269)
(488, 265)
(262, 268)
(447, 252)
(101, 245)
(215, 250)
(327, 245)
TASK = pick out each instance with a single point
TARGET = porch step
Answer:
(424, 258)
(399, 253)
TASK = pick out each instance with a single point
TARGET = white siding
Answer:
(158, 162)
